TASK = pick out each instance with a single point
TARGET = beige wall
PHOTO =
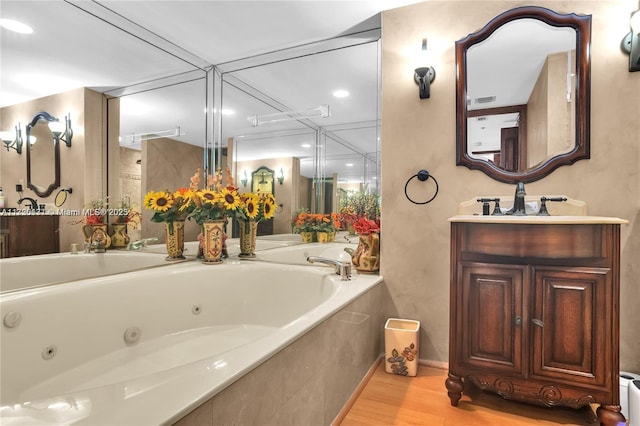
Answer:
(87, 110)
(415, 238)
(167, 165)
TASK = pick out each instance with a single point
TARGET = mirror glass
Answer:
(322, 158)
(43, 156)
(523, 94)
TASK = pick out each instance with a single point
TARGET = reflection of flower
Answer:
(304, 221)
(125, 213)
(256, 206)
(364, 226)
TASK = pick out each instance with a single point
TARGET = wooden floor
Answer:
(389, 399)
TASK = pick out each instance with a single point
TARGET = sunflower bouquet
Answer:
(215, 202)
(255, 206)
(167, 206)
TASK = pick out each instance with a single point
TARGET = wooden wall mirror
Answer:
(262, 180)
(523, 94)
(43, 156)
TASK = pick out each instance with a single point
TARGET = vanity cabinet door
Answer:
(569, 324)
(490, 313)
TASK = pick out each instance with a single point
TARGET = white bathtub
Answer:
(32, 271)
(200, 328)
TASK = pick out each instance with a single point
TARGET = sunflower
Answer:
(269, 207)
(252, 207)
(160, 201)
(208, 196)
(231, 199)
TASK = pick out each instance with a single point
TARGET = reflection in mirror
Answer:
(322, 156)
(523, 94)
(155, 159)
(43, 157)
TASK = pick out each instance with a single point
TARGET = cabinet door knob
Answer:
(518, 321)
(538, 322)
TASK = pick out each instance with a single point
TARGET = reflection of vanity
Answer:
(27, 235)
(534, 309)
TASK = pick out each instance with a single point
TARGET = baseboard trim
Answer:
(356, 393)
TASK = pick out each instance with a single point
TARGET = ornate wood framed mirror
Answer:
(43, 158)
(262, 180)
(523, 94)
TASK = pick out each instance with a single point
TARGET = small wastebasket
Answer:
(401, 342)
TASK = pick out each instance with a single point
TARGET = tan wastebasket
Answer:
(401, 342)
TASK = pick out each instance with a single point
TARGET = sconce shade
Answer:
(423, 77)
(16, 143)
(631, 42)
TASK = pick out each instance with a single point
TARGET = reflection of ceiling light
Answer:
(341, 93)
(349, 164)
(321, 111)
(15, 26)
(227, 111)
(135, 138)
(306, 145)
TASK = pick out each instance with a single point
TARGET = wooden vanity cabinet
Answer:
(27, 235)
(534, 313)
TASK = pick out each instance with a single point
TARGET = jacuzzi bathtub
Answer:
(147, 347)
(32, 271)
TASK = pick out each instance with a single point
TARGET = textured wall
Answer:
(415, 238)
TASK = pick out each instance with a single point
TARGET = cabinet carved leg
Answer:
(610, 415)
(455, 387)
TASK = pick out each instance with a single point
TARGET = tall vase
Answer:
(366, 258)
(248, 231)
(119, 237)
(212, 241)
(97, 235)
(174, 238)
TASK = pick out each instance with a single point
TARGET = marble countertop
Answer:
(541, 220)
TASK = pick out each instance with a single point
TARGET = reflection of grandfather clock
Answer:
(262, 180)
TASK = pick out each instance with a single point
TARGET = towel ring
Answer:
(422, 176)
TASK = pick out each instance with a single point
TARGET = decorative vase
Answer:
(307, 236)
(248, 232)
(323, 237)
(119, 237)
(212, 241)
(366, 258)
(97, 236)
(174, 239)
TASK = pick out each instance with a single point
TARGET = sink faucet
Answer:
(137, 245)
(342, 268)
(97, 242)
(518, 208)
(34, 203)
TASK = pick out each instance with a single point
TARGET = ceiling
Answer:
(125, 48)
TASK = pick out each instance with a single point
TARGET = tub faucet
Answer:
(342, 268)
(137, 245)
(34, 203)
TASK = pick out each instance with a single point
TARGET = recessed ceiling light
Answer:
(306, 145)
(15, 26)
(227, 111)
(349, 164)
(341, 93)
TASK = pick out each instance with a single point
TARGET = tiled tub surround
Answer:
(31, 271)
(148, 347)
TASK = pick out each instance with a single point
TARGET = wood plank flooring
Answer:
(388, 399)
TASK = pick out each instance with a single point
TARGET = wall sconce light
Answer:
(244, 180)
(424, 76)
(15, 143)
(281, 177)
(631, 42)
(60, 134)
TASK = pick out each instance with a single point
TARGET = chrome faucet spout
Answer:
(518, 208)
(137, 245)
(342, 268)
